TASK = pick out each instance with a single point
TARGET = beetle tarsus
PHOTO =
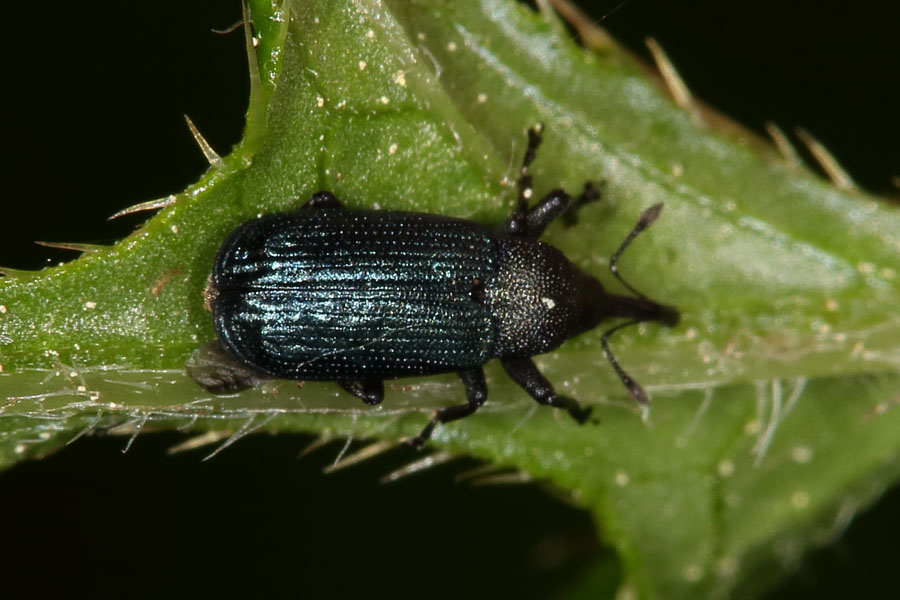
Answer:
(524, 372)
(590, 193)
(370, 391)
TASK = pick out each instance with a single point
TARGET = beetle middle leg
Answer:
(524, 372)
(476, 394)
(370, 391)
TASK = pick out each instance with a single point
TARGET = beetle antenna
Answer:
(646, 220)
(634, 388)
(640, 309)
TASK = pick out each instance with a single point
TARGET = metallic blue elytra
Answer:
(357, 297)
(349, 295)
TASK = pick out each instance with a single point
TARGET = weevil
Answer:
(361, 296)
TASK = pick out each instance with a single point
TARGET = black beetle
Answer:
(357, 297)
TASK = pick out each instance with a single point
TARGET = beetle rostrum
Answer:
(360, 296)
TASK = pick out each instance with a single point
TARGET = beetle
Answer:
(361, 296)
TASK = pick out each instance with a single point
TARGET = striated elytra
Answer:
(357, 297)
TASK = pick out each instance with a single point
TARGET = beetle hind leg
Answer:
(476, 394)
(218, 373)
(370, 391)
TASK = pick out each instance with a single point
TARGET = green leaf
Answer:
(787, 356)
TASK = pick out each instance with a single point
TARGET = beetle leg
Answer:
(476, 394)
(517, 223)
(591, 192)
(322, 200)
(526, 374)
(370, 391)
(214, 369)
(532, 223)
(556, 203)
(543, 213)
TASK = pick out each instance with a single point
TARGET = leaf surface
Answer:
(774, 416)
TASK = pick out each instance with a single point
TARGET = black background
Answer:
(94, 123)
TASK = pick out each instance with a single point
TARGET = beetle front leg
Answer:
(526, 374)
(322, 200)
(532, 223)
(476, 394)
(370, 391)
(517, 224)
(591, 192)
(554, 204)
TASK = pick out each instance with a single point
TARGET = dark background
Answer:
(97, 94)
